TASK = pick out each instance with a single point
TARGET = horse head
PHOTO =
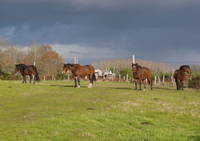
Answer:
(69, 67)
(135, 67)
(66, 68)
(19, 67)
(186, 69)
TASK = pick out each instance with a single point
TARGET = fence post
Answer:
(172, 79)
(163, 79)
(158, 80)
(126, 77)
(155, 81)
(68, 77)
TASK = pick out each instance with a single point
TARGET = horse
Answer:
(140, 74)
(79, 71)
(29, 70)
(181, 75)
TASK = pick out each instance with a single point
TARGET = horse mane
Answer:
(71, 65)
(184, 66)
(137, 65)
(20, 65)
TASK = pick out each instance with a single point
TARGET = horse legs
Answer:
(144, 83)
(91, 81)
(182, 85)
(75, 81)
(24, 79)
(140, 83)
(177, 84)
(135, 84)
(150, 82)
(78, 79)
(30, 78)
(33, 79)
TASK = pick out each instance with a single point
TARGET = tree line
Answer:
(48, 61)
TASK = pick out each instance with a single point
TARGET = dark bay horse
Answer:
(79, 71)
(140, 74)
(29, 70)
(181, 75)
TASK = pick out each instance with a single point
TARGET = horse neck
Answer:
(22, 70)
(74, 68)
(137, 72)
(181, 75)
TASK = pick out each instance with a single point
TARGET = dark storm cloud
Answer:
(156, 30)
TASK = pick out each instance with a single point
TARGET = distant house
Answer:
(108, 74)
(98, 73)
(105, 74)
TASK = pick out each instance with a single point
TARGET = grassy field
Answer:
(55, 111)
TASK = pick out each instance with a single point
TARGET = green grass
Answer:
(111, 111)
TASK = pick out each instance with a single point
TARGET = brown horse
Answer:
(79, 71)
(181, 75)
(29, 70)
(140, 74)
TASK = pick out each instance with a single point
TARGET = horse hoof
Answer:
(78, 86)
(90, 85)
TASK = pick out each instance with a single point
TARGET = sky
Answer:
(157, 30)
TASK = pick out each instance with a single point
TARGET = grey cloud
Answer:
(152, 29)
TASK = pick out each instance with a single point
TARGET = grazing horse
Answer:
(140, 74)
(29, 70)
(181, 75)
(79, 71)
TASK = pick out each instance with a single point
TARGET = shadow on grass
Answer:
(195, 138)
(129, 88)
(164, 88)
(121, 88)
(147, 89)
(69, 86)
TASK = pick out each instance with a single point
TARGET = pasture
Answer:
(111, 111)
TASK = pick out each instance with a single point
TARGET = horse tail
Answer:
(150, 81)
(37, 78)
(94, 77)
(177, 83)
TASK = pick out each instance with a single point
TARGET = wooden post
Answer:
(133, 59)
(158, 79)
(68, 76)
(155, 80)
(172, 79)
(119, 77)
(163, 80)
(126, 77)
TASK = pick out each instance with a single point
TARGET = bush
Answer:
(126, 71)
(9, 76)
(195, 81)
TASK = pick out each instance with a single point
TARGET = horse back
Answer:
(84, 70)
(142, 73)
(146, 72)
